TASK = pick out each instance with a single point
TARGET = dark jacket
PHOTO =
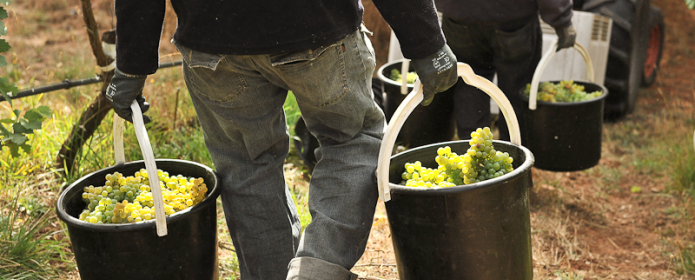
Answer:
(557, 13)
(248, 27)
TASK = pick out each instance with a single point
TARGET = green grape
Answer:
(564, 91)
(480, 162)
(129, 199)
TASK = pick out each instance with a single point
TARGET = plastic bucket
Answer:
(134, 251)
(427, 124)
(185, 248)
(475, 231)
(564, 136)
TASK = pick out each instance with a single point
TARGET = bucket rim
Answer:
(388, 80)
(600, 98)
(71, 221)
(524, 167)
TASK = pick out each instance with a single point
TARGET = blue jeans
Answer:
(239, 102)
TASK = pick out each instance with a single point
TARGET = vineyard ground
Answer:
(585, 225)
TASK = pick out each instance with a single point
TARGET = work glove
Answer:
(122, 90)
(437, 72)
(565, 37)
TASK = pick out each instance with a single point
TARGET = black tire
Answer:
(627, 51)
(655, 46)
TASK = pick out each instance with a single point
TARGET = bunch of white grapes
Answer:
(397, 76)
(480, 162)
(129, 199)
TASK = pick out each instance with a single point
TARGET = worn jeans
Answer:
(511, 49)
(239, 102)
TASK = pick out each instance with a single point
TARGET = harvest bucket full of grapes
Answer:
(564, 119)
(114, 227)
(466, 223)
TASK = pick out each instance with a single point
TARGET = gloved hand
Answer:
(566, 37)
(437, 72)
(122, 90)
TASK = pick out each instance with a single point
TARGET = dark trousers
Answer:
(511, 50)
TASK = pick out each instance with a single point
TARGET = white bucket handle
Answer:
(413, 100)
(148, 155)
(544, 62)
(405, 66)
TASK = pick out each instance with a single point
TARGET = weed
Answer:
(28, 249)
(686, 260)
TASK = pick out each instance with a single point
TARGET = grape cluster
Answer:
(129, 199)
(480, 162)
(397, 76)
(564, 91)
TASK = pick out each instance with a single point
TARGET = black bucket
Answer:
(476, 231)
(426, 124)
(565, 136)
(134, 251)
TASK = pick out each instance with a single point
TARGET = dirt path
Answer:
(589, 224)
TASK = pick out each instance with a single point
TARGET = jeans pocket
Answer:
(207, 78)
(317, 76)
(518, 44)
(298, 59)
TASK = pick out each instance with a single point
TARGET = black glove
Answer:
(565, 37)
(437, 73)
(122, 90)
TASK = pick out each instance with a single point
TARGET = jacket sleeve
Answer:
(415, 23)
(138, 31)
(556, 13)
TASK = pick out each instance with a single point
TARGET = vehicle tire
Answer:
(655, 46)
(627, 51)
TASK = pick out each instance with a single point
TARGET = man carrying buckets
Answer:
(240, 59)
(504, 38)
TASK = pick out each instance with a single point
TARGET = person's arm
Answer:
(558, 14)
(416, 25)
(138, 31)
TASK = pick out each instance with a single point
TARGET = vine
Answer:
(14, 132)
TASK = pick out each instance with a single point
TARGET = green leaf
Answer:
(30, 126)
(690, 4)
(44, 111)
(24, 127)
(7, 121)
(4, 46)
(3, 13)
(3, 61)
(26, 148)
(18, 139)
(4, 131)
(38, 114)
(3, 28)
(14, 149)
